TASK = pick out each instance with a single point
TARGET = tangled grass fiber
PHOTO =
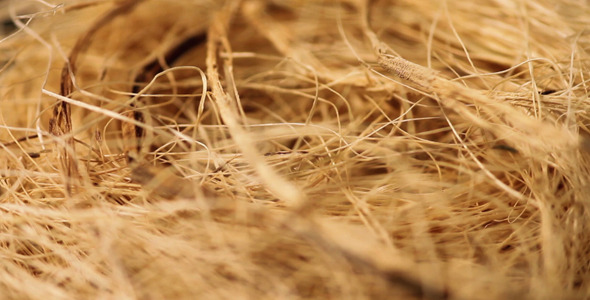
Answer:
(335, 149)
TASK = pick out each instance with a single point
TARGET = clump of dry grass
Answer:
(345, 149)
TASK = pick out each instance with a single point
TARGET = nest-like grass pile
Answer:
(348, 149)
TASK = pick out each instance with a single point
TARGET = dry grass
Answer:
(344, 149)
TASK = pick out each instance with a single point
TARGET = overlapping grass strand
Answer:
(260, 149)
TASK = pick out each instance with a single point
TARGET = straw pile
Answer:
(343, 149)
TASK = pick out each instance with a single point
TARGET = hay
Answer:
(252, 149)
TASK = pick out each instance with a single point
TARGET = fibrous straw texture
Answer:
(346, 149)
